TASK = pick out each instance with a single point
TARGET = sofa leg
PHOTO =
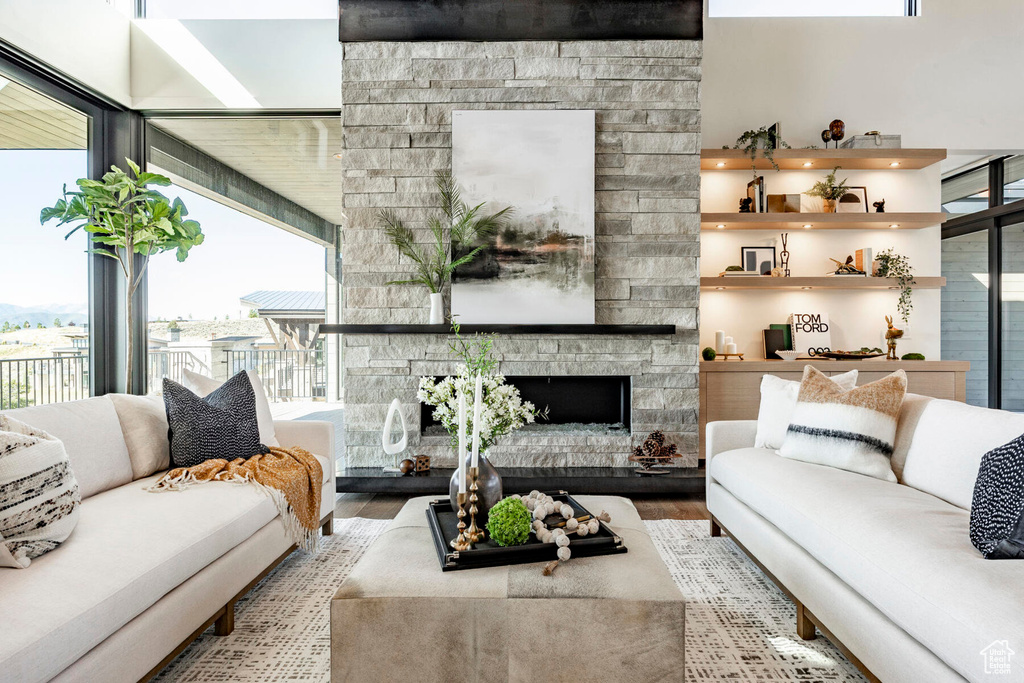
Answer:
(328, 527)
(804, 627)
(225, 624)
(715, 529)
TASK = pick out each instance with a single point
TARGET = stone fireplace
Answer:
(398, 99)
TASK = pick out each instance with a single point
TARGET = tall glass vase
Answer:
(488, 488)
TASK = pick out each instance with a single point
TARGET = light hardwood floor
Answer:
(381, 506)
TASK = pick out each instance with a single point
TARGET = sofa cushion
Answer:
(906, 552)
(129, 549)
(948, 442)
(144, 425)
(92, 437)
(778, 401)
(221, 425)
(203, 386)
(997, 511)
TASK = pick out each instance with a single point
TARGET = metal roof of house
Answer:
(285, 304)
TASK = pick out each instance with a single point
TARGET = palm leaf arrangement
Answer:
(458, 228)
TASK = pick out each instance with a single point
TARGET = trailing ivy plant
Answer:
(897, 266)
(460, 225)
(760, 140)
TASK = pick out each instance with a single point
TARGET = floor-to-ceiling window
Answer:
(983, 262)
(44, 289)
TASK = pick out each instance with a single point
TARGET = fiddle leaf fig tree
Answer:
(128, 222)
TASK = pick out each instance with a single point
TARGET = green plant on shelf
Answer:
(760, 141)
(897, 266)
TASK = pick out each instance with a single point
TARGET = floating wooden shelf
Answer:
(837, 282)
(500, 329)
(823, 159)
(820, 221)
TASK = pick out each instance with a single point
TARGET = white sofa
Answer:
(143, 573)
(886, 570)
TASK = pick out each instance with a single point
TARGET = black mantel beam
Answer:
(496, 20)
(500, 329)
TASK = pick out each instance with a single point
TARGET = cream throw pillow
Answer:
(144, 427)
(852, 430)
(39, 496)
(778, 401)
(203, 386)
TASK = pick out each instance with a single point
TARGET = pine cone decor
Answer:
(654, 452)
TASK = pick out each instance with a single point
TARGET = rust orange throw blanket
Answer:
(292, 477)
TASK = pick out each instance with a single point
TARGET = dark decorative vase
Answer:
(488, 489)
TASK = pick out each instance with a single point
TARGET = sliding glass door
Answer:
(44, 287)
(1012, 316)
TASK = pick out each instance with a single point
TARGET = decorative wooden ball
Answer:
(406, 466)
(564, 553)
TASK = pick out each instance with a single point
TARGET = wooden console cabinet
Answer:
(731, 390)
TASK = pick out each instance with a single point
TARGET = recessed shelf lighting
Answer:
(805, 288)
(720, 164)
(719, 288)
(720, 226)
(807, 164)
(894, 164)
(808, 226)
(895, 225)
(337, 156)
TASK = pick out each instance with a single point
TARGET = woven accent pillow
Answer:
(778, 401)
(221, 425)
(997, 510)
(201, 385)
(852, 430)
(39, 497)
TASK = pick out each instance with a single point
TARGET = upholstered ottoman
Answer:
(398, 617)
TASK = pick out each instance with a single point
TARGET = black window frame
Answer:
(114, 132)
(991, 220)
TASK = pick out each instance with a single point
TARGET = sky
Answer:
(241, 254)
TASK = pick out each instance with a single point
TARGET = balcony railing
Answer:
(286, 375)
(172, 364)
(34, 381)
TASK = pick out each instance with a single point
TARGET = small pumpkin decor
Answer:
(654, 451)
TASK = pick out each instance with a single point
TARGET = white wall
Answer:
(86, 39)
(948, 78)
(858, 317)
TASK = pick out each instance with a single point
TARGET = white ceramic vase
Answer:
(436, 308)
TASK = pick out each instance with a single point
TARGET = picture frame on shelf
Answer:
(854, 201)
(755, 193)
(760, 260)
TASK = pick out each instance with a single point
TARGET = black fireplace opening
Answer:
(585, 400)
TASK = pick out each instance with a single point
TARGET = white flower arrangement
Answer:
(503, 410)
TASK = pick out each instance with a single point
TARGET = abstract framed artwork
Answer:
(540, 268)
(760, 260)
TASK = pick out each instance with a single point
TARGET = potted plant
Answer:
(459, 226)
(761, 140)
(174, 331)
(829, 190)
(129, 223)
(897, 266)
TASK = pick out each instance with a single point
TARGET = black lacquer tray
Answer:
(444, 522)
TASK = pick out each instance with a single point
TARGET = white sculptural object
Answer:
(394, 447)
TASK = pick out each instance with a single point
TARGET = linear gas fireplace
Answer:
(573, 403)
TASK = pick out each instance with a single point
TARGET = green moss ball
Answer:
(708, 353)
(913, 356)
(509, 522)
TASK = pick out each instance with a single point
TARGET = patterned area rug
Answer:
(739, 626)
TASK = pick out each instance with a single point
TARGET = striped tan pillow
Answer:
(853, 430)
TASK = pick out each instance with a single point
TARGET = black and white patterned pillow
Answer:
(997, 510)
(221, 425)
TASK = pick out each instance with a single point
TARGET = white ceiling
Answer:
(291, 156)
(29, 120)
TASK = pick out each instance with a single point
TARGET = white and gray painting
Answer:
(540, 269)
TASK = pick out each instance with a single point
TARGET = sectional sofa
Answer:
(143, 574)
(885, 570)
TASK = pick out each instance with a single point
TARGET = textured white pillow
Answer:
(201, 385)
(144, 425)
(778, 401)
(39, 496)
